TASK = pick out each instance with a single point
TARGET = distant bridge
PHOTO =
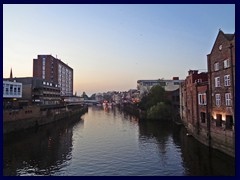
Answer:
(91, 101)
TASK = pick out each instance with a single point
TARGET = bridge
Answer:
(91, 102)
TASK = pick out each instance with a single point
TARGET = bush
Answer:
(159, 111)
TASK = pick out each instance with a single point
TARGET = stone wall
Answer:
(25, 123)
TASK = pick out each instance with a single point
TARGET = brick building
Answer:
(221, 68)
(189, 97)
(207, 104)
(54, 71)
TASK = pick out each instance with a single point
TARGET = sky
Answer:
(110, 47)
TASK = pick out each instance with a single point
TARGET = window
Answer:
(227, 80)
(198, 80)
(15, 90)
(216, 66)
(218, 99)
(203, 117)
(6, 91)
(43, 67)
(229, 122)
(217, 81)
(226, 63)
(228, 99)
(202, 99)
(219, 120)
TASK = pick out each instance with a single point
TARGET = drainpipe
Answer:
(232, 83)
(208, 94)
(197, 110)
(209, 102)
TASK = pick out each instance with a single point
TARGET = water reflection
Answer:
(111, 142)
(41, 151)
(197, 159)
(200, 160)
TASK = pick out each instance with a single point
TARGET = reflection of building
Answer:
(54, 71)
(48, 149)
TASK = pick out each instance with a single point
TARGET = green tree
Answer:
(157, 94)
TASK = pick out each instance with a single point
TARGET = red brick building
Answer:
(207, 101)
(221, 69)
(189, 97)
(55, 71)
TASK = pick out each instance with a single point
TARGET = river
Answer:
(110, 143)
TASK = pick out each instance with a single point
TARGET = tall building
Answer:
(53, 70)
(221, 70)
(207, 106)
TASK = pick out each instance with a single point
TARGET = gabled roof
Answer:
(229, 37)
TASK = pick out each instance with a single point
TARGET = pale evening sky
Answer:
(110, 47)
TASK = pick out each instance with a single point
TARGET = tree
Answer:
(157, 94)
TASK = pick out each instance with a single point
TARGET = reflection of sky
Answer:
(110, 47)
(156, 140)
(108, 143)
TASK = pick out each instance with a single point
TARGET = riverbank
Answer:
(220, 139)
(35, 116)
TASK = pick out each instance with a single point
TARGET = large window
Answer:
(226, 63)
(218, 99)
(228, 99)
(216, 66)
(217, 81)
(202, 99)
(227, 80)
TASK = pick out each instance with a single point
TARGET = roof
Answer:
(229, 37)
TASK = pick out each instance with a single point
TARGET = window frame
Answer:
(217, 82)
(226, 63)
(218, 100)
(228, 99)
(216, 66)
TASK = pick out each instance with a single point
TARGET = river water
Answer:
(110, 143)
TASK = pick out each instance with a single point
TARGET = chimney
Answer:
(192, 72)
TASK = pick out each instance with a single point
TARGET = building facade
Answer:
(221, 68)
(12, 93)
(144, 86)
(207, 103)
(54, 71)
(38, 91)
(12, 89)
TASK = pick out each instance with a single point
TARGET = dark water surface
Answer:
(110, 143)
